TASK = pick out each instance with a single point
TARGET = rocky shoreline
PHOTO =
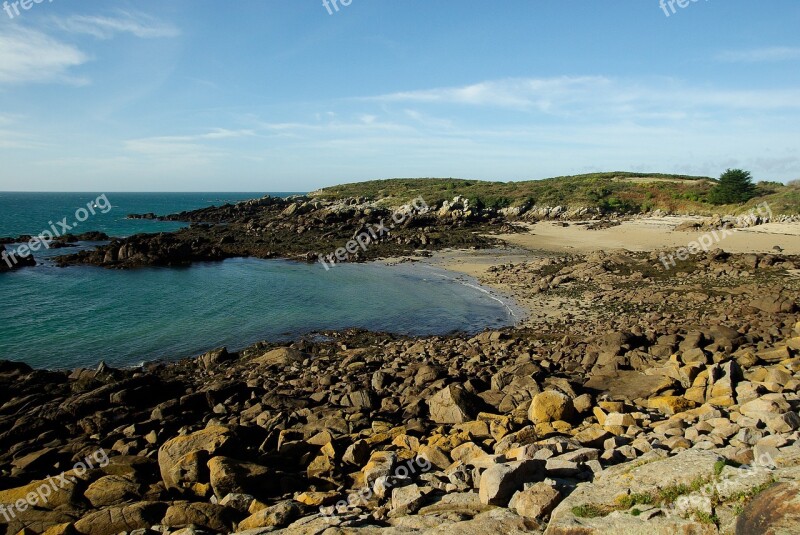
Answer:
(634, 399)
(298, 228)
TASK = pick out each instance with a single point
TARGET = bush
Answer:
(735, 186)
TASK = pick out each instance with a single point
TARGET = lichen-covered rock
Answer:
(183, 459)
(549, 406)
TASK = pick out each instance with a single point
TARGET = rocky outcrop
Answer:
(302, 229)
(666, 403)
(11, 261)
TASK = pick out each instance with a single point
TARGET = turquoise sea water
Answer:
(64, 318)
(31, 213)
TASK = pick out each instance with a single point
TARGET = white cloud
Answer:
(32, 56)
(760, 55)
(222, 133)
(103, 27)
(508, 93)
(598, 95)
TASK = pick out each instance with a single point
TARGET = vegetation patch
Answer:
(590, 510)
(614, 192)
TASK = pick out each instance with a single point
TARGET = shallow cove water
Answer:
(66, 318)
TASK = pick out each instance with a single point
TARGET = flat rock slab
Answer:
(627, 384)
(648, 474)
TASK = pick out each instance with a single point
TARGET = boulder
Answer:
(537, 501)
(774, 304)
(453, 405)
(765, 408)
(183, 459)
(112, 490)
(283, 356)
(37, 521)
(277, 516)
(499, 482)
(549, 406)
(721, 385)
(406, 500)
(380, 464)
(215, 357)
(118, 519)
(65, 494)
(231, 476)
(628, 385)
(208, 516)
(671, 405)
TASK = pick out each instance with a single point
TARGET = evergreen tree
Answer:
(735, 186)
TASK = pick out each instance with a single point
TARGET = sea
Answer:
(65, 318)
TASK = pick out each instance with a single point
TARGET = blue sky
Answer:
(268, 95)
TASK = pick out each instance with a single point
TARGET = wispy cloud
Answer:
(105, 27)
(28, 55)
(760, 55)
(508, 93)
(169, 145)
(597, 95)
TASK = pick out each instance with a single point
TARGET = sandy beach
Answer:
(551, 239)
(638, 235)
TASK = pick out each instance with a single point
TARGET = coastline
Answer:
(617, 366)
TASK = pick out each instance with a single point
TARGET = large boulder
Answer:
(453, 405)
(283, 356)
(628, 385)
(113, 520)
(215, 357)
(774, 304)
(112, 490)
(65, 494)
(229, 476)
(209, 516)
(550, 406)
(499, 482)
(183, 459)
(277, 516)
(536, 502)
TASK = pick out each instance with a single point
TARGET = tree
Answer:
(734, 186)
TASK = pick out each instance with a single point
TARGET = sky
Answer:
(290, 95)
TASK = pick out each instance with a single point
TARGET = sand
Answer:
(646, 234)
(549, 238)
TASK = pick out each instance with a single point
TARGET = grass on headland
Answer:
(615, 192)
